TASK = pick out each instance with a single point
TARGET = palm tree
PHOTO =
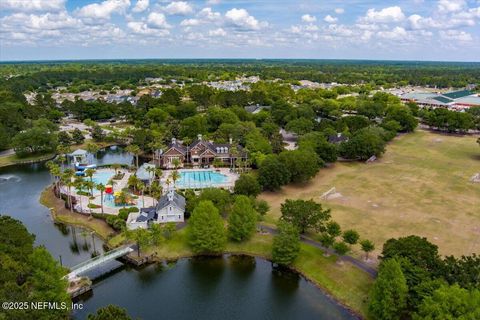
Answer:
(156, 192)
(100, 187)
(176, 163)
(122, 198)
(79, 184)
(175, 176)
(67, 180)
(56, 172)
(89, 173)
(168, 183)
(141, 187)
(63, 150)
(233, 155)
(158, 173)
(135, 150)
(116, 167)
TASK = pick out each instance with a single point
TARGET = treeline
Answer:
(414, 282)
(451, 121)
(341, 71)
(29, 274)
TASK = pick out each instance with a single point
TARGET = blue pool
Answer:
(201, 179)
(103, 176)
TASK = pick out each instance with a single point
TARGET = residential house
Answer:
(170, 208)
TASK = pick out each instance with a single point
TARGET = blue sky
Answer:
(94, 29)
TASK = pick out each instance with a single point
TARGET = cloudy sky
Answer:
(350, 29)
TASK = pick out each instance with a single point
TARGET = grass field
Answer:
(420, 186)
(14, 159)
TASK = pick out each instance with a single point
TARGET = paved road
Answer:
(356, 262)
(6, 153)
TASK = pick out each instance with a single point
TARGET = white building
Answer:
(170, 208)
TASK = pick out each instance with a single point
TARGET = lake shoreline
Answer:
(60, 214)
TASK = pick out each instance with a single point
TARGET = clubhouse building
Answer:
(200, 153)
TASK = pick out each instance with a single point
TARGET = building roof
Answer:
(146, 214)
(457, 94)
(418, 95)
(470, 100)
(256, 108)
(442, 99)
(167, 199)
(338, 138)
(142, 172)
(79, 152)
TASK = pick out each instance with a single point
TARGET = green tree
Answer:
(110, 312)
(450, 302)
(247, 185)
(351, 236)
(77, 136)
(419, 251)
(302, 164)
(364, 144)
(388, 297)
(206, 232)
(135, 150)
(367, 246)
(64, 138)
(242, 220)
(101, 187)
(341, 248)
(286, 244)
(333, 229)
(272, 174)
(305, 214)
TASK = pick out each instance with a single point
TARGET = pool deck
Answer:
(119, 185)
(229, 184)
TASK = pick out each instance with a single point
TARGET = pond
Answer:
(220, 288)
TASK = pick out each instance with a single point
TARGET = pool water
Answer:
(201, 179)
(103, 176)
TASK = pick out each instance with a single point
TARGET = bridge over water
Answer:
(98, 260)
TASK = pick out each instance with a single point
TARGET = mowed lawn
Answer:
(420, 186)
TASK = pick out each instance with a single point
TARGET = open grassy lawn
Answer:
(14, 159)
(420, 186)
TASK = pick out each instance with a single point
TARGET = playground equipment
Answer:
(81, 167)
(109, 192)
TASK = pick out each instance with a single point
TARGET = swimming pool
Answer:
(201, 179)
(103, 176)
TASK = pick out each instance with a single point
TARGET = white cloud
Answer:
(242, 19)
(32, 5)
(190, 22)
(451, 5)
(140, 27)
(330, 19)
(309, 18)
(209, 14)
(179, 8)
(103, 10)
(32, 23)
(157, 20)
(397, 33)
(455, 35)
(339, 10)
(213, 2)
(141, 6)
(417, 22)
(217, 33)
(386, 15)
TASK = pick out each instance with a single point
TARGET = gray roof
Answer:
(256, 108)
(146, 214)
(178, 201)
(474, 100)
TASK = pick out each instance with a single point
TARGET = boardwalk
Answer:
(98, 260)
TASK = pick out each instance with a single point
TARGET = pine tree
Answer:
(206, 233)
(242, 219)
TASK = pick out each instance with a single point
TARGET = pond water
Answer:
(219, 288)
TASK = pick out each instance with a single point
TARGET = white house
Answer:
(170, 208)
